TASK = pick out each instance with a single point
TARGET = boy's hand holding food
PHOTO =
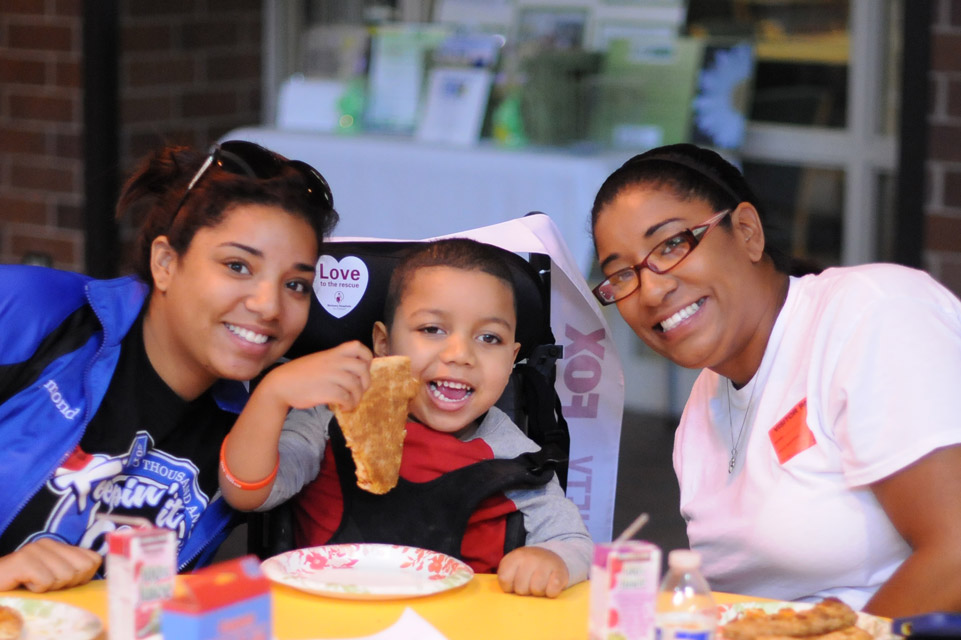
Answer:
(335, 376)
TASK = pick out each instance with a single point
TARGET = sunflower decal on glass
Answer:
(724, 85)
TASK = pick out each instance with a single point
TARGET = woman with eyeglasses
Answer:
(116, 395)
(819, 453)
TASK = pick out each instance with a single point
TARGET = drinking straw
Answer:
(632, 528)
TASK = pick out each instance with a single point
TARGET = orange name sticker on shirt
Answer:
(791, 435)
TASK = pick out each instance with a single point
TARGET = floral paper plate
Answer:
(367, 571)
(879, 628)
(48, 620)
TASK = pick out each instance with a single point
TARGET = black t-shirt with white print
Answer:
(146, 453)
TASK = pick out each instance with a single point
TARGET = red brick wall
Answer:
(189, 71)
(41, 100)
(942, 237)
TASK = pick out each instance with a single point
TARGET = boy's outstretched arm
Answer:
(336, 376)
(533, 571)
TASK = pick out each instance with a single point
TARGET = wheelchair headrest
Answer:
(350, 287)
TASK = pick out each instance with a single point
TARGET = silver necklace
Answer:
(735, 443)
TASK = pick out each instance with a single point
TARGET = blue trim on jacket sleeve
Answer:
(33, 301)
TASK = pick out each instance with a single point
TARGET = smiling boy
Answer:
(450, 308)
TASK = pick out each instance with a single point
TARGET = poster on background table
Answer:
(458, 88)
(590, 377)
(455, 105)
(490, 16)
(643, 94)
(309, 104)
(724, 87)
(398, 61)
(543, 27)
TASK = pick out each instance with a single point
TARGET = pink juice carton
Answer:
(623, 591)
(141, 566)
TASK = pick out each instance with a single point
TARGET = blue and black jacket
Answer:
(68, 328)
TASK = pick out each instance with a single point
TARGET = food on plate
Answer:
(847, 633)
(375, 429)
(829, 619)
(11, 623)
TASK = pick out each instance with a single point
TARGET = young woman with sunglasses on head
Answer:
(819, 453)
(116, 395)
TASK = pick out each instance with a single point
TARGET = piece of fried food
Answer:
(826, 617)
(847, 633)
(11, 623)
(375, 429)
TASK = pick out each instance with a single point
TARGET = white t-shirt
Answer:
(860, 378)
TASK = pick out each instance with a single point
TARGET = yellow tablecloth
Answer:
(478, 610)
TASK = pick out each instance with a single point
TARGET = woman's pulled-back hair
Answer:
(457, 253)
(692, 173)
(150, 197)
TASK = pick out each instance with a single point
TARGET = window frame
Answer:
(859, 149)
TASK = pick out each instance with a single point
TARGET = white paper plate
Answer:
(880, 628)
(367, 571)
(49, 620)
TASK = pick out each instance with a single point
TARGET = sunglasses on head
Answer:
(243, 158)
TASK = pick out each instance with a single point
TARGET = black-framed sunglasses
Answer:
(663, 257)
(249, 159)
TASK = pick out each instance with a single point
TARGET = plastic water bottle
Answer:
(685, 606)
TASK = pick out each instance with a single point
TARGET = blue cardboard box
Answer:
(226, 601)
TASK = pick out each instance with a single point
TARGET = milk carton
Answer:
(141, 566)
(623, 591)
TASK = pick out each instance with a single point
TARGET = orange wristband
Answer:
(240, 484)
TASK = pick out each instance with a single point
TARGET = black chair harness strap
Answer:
(431, 515)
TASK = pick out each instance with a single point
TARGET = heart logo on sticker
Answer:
(340, 285)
